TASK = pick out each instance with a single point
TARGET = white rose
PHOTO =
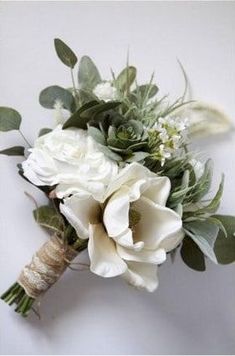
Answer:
(71, 160)
(105, 91)
(131, 231)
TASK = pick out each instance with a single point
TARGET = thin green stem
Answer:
(24, 138)
(73, 81)
(74, 88)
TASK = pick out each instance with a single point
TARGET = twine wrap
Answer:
(46, 267)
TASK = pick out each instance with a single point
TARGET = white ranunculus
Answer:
(131, 231)
(71, 160)
(105, 91)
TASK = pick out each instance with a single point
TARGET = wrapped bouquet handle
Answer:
(46, 267)
(120, 180)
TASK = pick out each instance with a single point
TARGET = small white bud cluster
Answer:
(171, 134)
(105, 91)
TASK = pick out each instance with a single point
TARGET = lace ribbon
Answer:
(46, 267)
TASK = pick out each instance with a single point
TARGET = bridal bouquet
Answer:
(120, 180)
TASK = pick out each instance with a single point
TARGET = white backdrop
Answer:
(191, 312)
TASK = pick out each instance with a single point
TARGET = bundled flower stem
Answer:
(47, 266)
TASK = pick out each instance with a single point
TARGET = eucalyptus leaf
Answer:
(10, 119)
(50, 95)
(204, 234)
(65, 54)
(44, 131)
(126, 78)
(225, 246)
(192, 255)
(13, 151)
(49, 218)
(88, 74)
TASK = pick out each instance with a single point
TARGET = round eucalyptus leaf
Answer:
(88, 74)
(10, 119)
(192, 255)
(225, 246)
(50, 95)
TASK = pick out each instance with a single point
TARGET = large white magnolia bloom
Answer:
(131, 231)
(71, 160)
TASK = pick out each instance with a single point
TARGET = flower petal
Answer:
(172, 240)
(142, 275)
(116, 213)
(102, 252)
(158, 190)
(80, 212)
(156, 257)
(126, 240)
(128, 176)
(157, 223)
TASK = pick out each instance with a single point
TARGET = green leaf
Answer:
(13, 151)
(49, 218)
(10, 119)
(85, 96)
(204, 234)
(50, 95)
(88, 112)
(44, 131)
(110, 154)
(213, 206)
(75, 120)
(203, 185)
(96, 134)
(94, 110)
(177, 196)
(65, 54)
(126, 78)
(88, 74)
(146, 91)
(225, 246)
(192, 255)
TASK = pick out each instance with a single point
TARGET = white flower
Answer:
(164, 135)
(130, 233)
(164, 154)
(176, 141)
(105, 91)
(71, 160)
